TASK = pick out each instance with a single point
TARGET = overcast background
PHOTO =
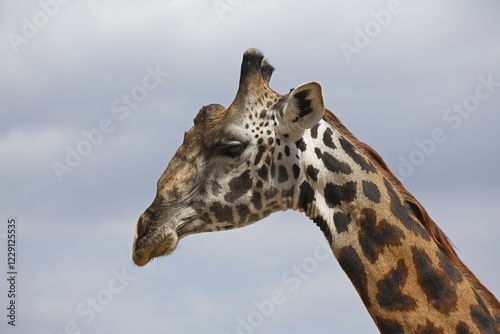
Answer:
(75, 232)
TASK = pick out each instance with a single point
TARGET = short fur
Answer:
(420, 213)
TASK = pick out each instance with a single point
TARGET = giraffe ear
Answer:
(303, 110)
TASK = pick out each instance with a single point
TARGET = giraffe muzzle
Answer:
(152, 241)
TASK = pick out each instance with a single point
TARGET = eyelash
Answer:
(231, 150)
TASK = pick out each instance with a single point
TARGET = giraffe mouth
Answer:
(151, 241)
(146, 250)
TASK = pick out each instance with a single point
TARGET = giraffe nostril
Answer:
(141, 227)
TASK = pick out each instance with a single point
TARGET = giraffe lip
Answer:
(161, 242)
(161, 245)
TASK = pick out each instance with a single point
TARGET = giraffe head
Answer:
(235, 165)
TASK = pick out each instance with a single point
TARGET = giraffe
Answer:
(269, 152)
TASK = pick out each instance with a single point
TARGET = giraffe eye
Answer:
(231, 149)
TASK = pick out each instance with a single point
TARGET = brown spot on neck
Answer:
(416, 210)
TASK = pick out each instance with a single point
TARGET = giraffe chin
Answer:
(161, 245)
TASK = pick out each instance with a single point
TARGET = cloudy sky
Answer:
(95, 97)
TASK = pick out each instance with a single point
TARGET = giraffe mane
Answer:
(418, 210)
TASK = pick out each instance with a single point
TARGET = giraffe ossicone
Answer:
(269, 152)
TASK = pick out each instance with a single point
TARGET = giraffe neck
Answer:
(406, 281)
